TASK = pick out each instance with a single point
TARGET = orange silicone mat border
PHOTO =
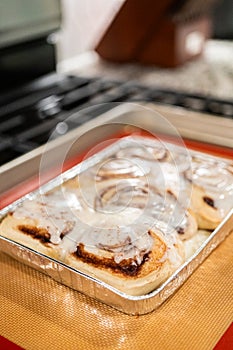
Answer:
(6, 344)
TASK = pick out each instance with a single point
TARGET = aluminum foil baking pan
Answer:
(133, 305)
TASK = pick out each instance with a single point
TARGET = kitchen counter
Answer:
(210, 75)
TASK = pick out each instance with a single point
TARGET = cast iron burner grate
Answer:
(29, 115)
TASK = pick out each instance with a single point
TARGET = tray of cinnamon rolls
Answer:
(126, 226)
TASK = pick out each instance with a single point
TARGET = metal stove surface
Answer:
(30, 115)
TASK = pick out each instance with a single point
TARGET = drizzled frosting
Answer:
(122, 237)
(120, 241)
(216, 178)
(121, 168)
(67, 227)
(137, 194)
(116, 196)
(50, 212)
(212, 175)
(145, 152)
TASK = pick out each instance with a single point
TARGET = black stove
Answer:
(49, 105)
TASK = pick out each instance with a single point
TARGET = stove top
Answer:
(47, 108)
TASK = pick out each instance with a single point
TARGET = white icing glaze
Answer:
(146, 152)
(137, 194)
(217, 180)
(51, 212)
(111, 233)
(121, 167)
(122, 241)
(133, 193)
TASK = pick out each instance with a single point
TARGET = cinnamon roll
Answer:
(212, 194)
(134, 259)
(40, 224)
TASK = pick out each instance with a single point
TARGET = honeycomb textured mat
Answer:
(38, 313)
